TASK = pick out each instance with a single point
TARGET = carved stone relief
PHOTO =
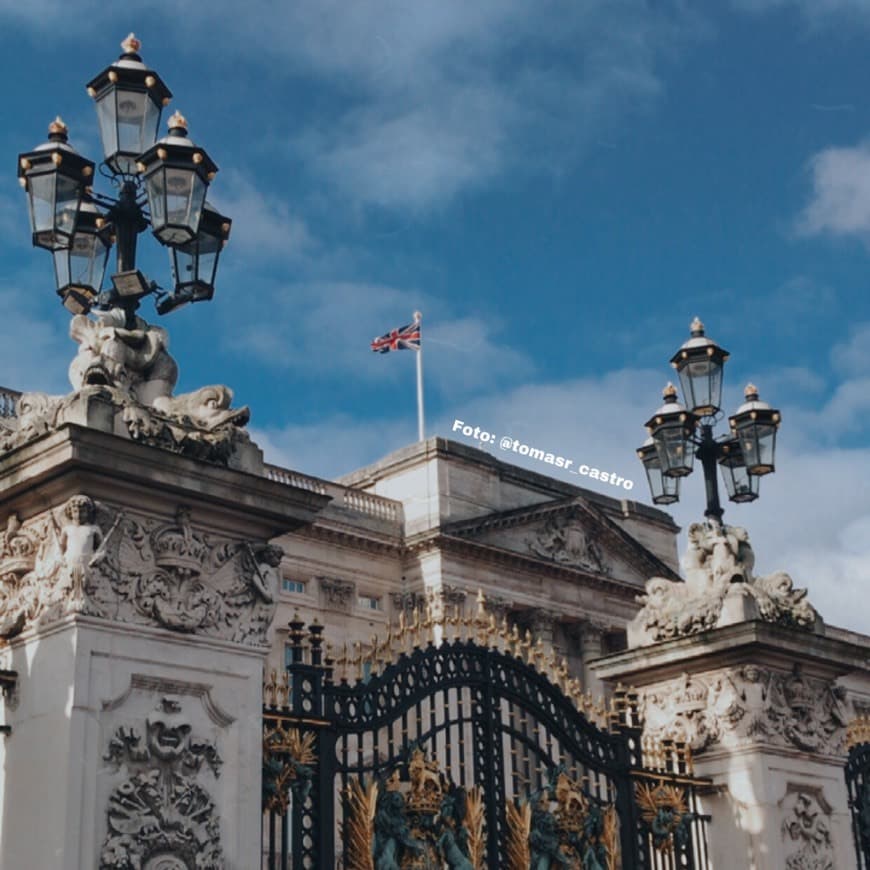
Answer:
(806, 833)
(719, 589)
(104, 562)
(133, 374)
(161, 814)
(337, 594)
(564, 540)
(746, 704)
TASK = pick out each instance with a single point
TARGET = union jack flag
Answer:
(403, 338)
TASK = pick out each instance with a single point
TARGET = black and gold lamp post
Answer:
(679, 433)
(159, 184)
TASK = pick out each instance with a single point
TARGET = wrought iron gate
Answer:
(858, 785)
(458, 743)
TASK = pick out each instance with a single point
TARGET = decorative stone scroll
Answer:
(719, 589)
(103, 562)
(748, 704)
(414, 817)
(161, 815)
(129, 375)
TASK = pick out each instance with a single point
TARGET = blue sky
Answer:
(559, 187)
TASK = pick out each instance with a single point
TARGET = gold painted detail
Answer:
(414, 818)
(858, 731)
(359, 832)
(664, 812)
(561, 825)
(433, 626)
(289, 759)
(519, 822)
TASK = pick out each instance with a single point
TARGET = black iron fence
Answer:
(459, 743)
(858, 785)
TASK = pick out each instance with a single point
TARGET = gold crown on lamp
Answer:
(57, 126)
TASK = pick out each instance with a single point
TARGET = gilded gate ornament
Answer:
(288, 766)
(665, 814)
(561, 826)
(414, 819)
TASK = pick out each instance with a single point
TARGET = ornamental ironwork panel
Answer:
(457, 743)
(858, 785)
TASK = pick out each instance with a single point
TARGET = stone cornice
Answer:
(756, 640)
(620, 541)
(498, 555)
(119, 470)
(348, 536)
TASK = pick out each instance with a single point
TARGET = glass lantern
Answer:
(55, 176)
(129, 99)
(79, 269)
(177, 175)
(755, 425)
(740, 484)
(699, 363)
(664, 490)
(672, 427)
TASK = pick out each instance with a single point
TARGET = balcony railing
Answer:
(342, 496)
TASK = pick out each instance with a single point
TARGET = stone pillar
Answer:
(591, 637)
(764, 708)
(137, 588)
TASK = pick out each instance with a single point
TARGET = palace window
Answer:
(288, 585)
(369, 602)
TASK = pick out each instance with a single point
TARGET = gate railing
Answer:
(457, 742)
(858, 785)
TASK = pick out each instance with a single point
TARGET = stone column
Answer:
(137, 588)
(764, 708)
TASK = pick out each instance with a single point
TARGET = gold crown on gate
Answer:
(427, 785)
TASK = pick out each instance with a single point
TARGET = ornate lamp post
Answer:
(160, 184)
(679, 433)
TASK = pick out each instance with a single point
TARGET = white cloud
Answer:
(426, 100)
(323, 329)
(263, 225)
(852, 356)
(840, 203)
(34, 352)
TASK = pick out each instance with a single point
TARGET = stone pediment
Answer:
(569, 533)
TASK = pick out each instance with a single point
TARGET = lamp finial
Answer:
(177, 121)
(131, 44)
(697, 327)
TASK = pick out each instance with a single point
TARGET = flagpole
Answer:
(418, 317)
